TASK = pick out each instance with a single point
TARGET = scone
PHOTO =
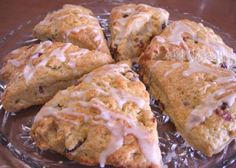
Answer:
(74, 24)
(105, 120)
(16, 60)
(132, 28)
(186, 40)
(200, 100)
(35, 73)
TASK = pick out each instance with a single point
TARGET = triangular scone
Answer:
(200, 100)
(186, 40)
(132, 28)
(35, 73)
(74, 24)
(105, 120)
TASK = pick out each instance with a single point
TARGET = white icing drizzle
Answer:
(30, 69)
(135, 20)
(215, 43)
(42, 45)
(99, 40)
(194, 67)
(14, 62)
(81, 52)
(111, 119)
(95, 29)
(82, 27)
(76, 55)
(108, 69)
(214, 100)
(132, 23)
(160, 39)
(84, 19)
(115, 143)
(176, 37)
(28, 72)
(79, 15)
(59, 52)
(226, 79)
(123, 97)
(18, 63)
(52, 111)
(174, 66)
(210, 103)
(148, 146)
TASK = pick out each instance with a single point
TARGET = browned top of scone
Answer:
(186, 40)
(105, 119)
(133, 26)
(200, 99)
(31, 60)
(75, 24)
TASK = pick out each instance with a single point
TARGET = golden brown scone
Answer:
(15, 61)
(74, 24)
(35, 73)
(186, 40)
(200, 100)
(105, 120)
(132, 28)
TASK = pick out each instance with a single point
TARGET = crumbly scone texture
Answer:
(185, 40)
(74, 24)
(183, 91)
(103, 119)
(33, 74)
(133, 26)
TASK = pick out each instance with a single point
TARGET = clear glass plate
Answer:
(15, 127)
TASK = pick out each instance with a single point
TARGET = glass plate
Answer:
(15, 127)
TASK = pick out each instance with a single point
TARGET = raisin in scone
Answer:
(132, 28)
(200, 100)
(185, 40)
(74, 24)
(105, 120)
(34, 74)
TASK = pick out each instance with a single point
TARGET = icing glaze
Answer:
(225, 94)
(176, 37)
(30, 69)
(174, 66)
(149, 146)
(215, 43)
(194, 67)
(210, 103)
(14, 62)
(113, 69)
(110, 119)
(95, 28)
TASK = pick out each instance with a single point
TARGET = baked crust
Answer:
(74, 24)
(200, 100)
(35, 73)
(185, 40)
(105, 119)
(132, 28)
